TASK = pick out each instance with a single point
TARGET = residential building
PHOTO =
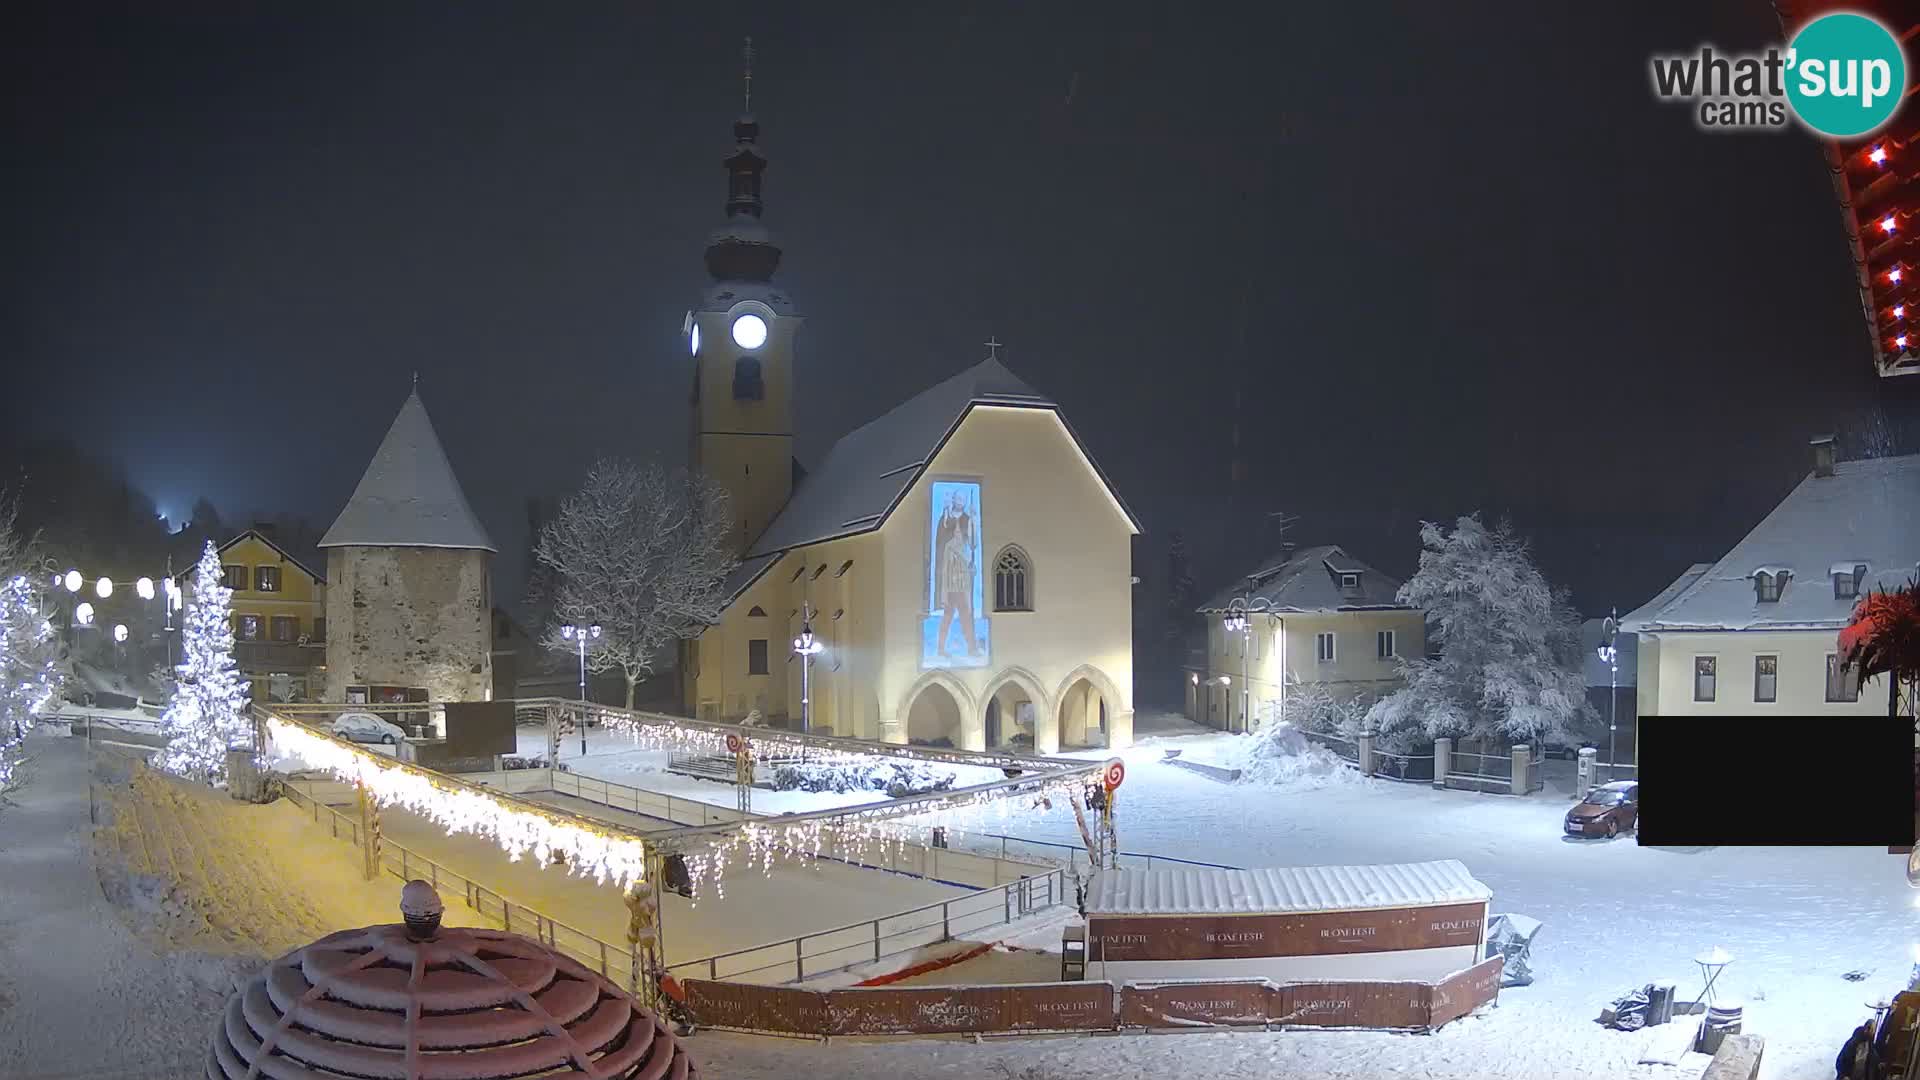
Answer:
(278, 612)
(961, 562)
(1756, 631)
(1315, 616)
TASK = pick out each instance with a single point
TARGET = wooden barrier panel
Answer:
(1077, 1006)
(1091, 1006)
(758, 1008)
(1195, 1004)
(1214, 937)
(1351, 1004)
(1462, 992)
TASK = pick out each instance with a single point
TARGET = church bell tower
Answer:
(741, 338)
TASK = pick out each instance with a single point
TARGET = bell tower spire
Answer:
(741, 337)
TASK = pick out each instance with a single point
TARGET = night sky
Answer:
(1482, 267)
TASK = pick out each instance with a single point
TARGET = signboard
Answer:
(1073, 1006)
(1195, 1004)
(480, 728)
(1322, 933)
(1462, 992)
(1113, 774)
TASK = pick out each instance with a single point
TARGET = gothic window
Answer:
(747, 385)
(1012, 581)
(757, 612)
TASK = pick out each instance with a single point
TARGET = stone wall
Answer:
(409, 616)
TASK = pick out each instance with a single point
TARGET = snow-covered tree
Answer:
(208, 713)
(32, 671)
(1509, 667)
(642, 553)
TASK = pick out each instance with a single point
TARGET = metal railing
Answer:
(825, 952)
(1346, 748)
(1076, 855)
(653, 804)
(613, 961)
(1408, 768)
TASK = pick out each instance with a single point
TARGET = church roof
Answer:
(409, 496)
(866, 474)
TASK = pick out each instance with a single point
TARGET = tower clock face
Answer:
(693, 339)
(749, 331)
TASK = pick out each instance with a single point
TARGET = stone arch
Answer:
(963, 726)
(1028, 685)
(1079, 712)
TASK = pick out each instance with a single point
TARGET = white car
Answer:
(366, 727)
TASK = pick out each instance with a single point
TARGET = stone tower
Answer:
(409, 603)
(741, 338)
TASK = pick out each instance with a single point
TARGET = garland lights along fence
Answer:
(905, 835)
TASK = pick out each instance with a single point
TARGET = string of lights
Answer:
(603, 854)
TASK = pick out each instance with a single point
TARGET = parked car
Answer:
(1608, 810)
(366, 727)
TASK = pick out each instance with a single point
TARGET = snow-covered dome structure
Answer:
(419, 1002)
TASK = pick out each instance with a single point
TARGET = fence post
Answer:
(876, 941)
(799, 960)
(1583, 775)
(1366, 753)
(1521, 757)
(1442, 761)
(946, 924)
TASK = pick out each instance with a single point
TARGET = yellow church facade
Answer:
(960, 564)
(1050, 666)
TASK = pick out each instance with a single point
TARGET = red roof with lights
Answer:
(1878, 181)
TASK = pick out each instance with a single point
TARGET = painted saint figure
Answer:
(954, 541)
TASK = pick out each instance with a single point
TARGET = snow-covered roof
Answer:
(1867, 510)
(1279, 890)
(1309, 580)
(408, 496)
(866, 474)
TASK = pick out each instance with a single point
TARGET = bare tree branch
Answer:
(642, 553)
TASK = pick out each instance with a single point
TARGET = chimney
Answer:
(1823, 455)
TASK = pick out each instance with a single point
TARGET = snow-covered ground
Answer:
(1616, 916)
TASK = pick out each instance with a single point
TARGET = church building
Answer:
(959, 568)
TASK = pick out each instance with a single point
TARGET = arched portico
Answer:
(1089, 709)
(938, 706)
(1002, 710)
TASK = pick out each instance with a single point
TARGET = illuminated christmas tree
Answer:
(208, 713)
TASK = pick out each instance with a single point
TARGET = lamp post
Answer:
(581, 635)
(1611, 657)
(806, 648)
(1237, 623)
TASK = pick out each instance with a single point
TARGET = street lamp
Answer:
(73, 581)
(1610, 656)
(120, 632)
(83, 614)
(582, 634)
(806, 648)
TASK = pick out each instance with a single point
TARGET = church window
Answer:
(757, 612)
(844, 567)
(1012, 581)
(747, 384)
(837, 612)
(816, 574)
(796, 574)
(757, 656)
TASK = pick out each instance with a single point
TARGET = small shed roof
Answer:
(1281, 890)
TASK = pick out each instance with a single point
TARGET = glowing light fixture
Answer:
(104, 587)
(1887, 224)
(693, 339)
(749, 331)
(119, 631)
(1893, 275)
(1878, 155)
(83, 614)
(1899, 311)
(144, 587)
(73, 581)
(1900, 342)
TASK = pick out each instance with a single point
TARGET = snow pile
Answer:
(1280, 755)
(898, 779)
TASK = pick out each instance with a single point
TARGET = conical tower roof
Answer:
(409, 496)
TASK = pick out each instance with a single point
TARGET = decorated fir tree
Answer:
(208, 713)
(30, 666)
